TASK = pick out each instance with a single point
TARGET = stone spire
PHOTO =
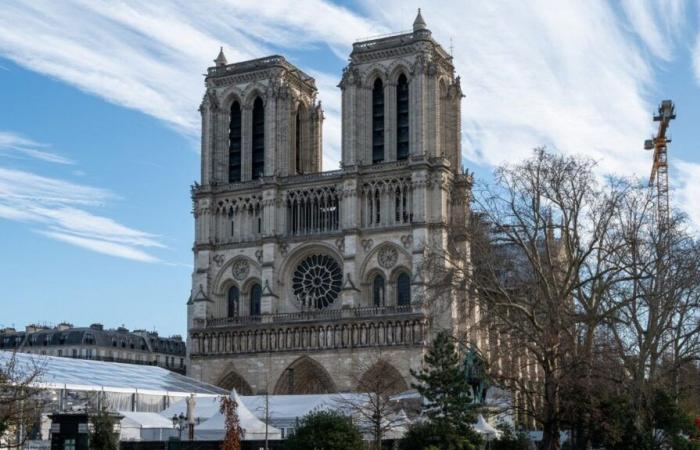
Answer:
(419, 23)
(221, 59)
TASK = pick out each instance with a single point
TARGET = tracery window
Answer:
(255, 299)
(234, 144)
(378, 290)
(378, 121)
(403, 290)
(316, 281)
(313, 210)
(234, 295)
(402, 118)
(258, 139)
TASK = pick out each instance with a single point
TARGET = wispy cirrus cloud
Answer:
(13, 145)
(575, 76)
(60, 210)
(151, 56)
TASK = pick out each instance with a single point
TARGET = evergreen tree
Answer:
(325, 430)
(444, 385)
(103, 436)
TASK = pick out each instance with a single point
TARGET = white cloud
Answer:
(575, 76)
(150, 56)
(686, 189)
(12, 144)
(60, 207)
(696, 58)
(656, 23)
(565, 76)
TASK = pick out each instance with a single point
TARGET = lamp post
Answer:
(179, 423)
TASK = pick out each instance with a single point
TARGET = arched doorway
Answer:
(305, 376)
(382, 378)
(233, 380)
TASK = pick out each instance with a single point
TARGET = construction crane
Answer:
(659, 168)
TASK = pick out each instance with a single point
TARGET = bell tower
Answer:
(401, 100)
(259, 118)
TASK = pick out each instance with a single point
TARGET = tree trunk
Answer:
(551, 431)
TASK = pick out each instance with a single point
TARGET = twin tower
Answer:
(302, 278)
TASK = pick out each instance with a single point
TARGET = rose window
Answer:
(316, 281)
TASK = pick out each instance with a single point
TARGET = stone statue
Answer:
(475, 371)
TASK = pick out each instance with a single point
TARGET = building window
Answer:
(378, 121)
(258, 138)
(378, 290)
(233, 298)
(255, 297)
(403, 290)
(402, 118)
(234, 144)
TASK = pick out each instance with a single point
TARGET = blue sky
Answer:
(99, 129)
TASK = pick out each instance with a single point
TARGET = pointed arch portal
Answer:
(305, 376)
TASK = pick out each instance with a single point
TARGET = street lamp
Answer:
(179, 423)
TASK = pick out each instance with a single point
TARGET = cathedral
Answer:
(302, 277)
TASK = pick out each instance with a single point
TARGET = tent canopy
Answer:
(214, 428)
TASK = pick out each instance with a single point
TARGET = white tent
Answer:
(254, 429)
(205, 407)
(145, 426)
(484, 428)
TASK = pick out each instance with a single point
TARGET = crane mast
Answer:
(659, 169)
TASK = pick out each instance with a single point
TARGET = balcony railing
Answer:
(312, 316)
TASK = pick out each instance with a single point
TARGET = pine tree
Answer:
(103, 436)
(444, 385)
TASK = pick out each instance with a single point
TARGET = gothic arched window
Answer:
(378, 121)
(403, 290)
(402, 118)
(258, 139)
(378, 290)
(233, 300)
(255, 298)
(234, 144)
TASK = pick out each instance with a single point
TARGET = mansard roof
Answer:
(94, 335)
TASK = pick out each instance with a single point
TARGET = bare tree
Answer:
(657, 327)
(540, 271)
(379, 380)
(21, 402)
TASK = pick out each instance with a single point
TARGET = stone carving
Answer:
(284, 247)
(407, 240)
(240, 269)
(259, 255)
(219, 260)
(340, 243)
(367, 244)
(387, 257)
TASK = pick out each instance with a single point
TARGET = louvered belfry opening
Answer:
(234, 145)
(402, 129)
(258, 139)
(378, 122)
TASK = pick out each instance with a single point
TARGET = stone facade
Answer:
(302, 277)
